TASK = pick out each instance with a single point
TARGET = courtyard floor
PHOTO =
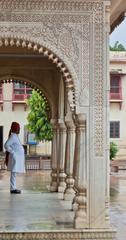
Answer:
(38, 209)
(118, 204)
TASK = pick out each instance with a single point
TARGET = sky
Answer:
(119, 34)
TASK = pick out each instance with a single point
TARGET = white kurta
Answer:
(16, 161)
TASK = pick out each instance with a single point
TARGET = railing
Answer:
(21, 97)
(116, 96)
(32, 164)
(117, 56)
(2, 166)
(40, 164)
(118, 165)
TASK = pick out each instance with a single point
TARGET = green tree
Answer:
(117, 47)
(38, 122)
(113, 150)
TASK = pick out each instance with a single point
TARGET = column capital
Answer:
(54, 123)
(70, 125)
(80, 120)
(61, 124)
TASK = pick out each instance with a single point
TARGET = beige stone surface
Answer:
(40, 41)
(39, 214)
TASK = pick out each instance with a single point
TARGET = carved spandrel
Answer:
(67, 33)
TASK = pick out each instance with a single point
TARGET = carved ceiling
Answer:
(118, 9)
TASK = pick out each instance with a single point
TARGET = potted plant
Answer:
(113, 150)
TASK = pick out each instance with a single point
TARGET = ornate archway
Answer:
(74, 36)
(36, 47)
(15, 79)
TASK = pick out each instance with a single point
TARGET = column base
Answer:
(69, 194)
(54, 180)
(74, 203)
(61, 189)
(75, 206)
(53, 188)
(62, 183)
(80, 223)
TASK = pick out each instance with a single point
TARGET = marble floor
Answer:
(38, 209)
(118, 204)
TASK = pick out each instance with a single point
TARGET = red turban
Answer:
(15, 126)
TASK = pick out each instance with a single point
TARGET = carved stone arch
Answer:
(15, 78)
(47, 50)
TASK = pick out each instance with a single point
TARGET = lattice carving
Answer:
(61, 235)
(51, 5)
(98, 84)
(67, 78)
(65, 33)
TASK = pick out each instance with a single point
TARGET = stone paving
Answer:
(37, 209)
(118, 204)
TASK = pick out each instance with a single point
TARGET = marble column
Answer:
(80, 219)
(107, 92)
(54, 157)
(61, 163)
(70, 145)
(74, 202)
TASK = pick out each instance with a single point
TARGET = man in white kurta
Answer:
(16, 159)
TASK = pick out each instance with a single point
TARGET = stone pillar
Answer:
(61, 163)
(80, 220)
(54, 157)
(107, 84)
(62, 137)
(74, 202)
(70, 145)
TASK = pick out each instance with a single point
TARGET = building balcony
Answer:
(116, 96)
(20, 99)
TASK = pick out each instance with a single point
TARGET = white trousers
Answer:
(13, 181)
